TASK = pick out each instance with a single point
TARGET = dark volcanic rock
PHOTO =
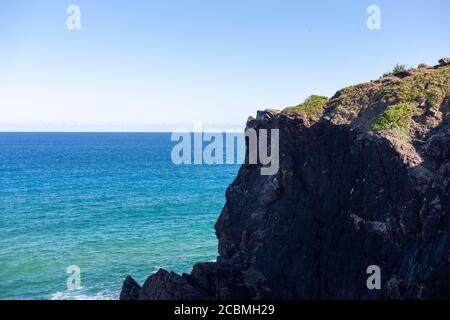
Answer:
(130, 289)
(343, 199)
(439, 146)
(169, 286)
(444, 62)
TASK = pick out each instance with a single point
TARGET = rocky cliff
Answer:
(363, 180)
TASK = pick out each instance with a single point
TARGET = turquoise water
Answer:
(112, 204)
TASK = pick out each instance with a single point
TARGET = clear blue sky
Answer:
(156, 65)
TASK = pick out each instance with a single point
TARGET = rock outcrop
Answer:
(346, 197)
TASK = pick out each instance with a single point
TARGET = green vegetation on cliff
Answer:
(405, 104)
(398, 116)
(397, 69)
(313, 106)
(431, 87)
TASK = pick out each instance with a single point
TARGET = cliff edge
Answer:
(363, 180)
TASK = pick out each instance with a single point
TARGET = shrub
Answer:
(395, 117)
(313, 105)
(397, 69)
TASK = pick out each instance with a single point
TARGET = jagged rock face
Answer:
(339, 204)
(343, 199)
(168, 286)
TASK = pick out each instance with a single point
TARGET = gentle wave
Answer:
(77, 295)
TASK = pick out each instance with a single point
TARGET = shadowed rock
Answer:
(169, 286)
(130, 289)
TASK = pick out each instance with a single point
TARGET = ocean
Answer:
(112, 204)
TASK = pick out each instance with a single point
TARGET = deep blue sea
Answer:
(111, 203)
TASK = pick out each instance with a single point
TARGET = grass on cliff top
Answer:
(427, 87)
(397, 117)
(431, 88)
(313, 106)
